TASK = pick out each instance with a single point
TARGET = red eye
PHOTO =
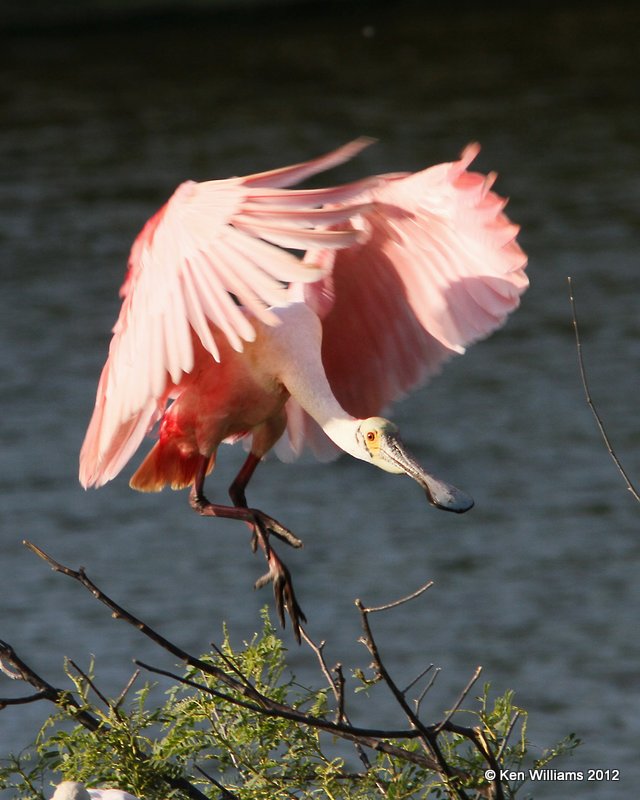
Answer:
(371, 436)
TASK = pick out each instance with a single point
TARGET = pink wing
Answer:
(210, 241)
(439, 270)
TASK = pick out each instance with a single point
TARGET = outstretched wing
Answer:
(439, 268)
(214, 245)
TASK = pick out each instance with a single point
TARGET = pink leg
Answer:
(261, 525)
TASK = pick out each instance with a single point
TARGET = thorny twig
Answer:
(225, 794)
(125, 691)
(591, 404)
(418, 678)
(402, 600)
(460, 699)
(89, 681)
(418, 701)
(507, 735)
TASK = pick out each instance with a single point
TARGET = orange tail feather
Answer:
(166, 465)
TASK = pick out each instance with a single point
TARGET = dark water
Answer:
(539, 583)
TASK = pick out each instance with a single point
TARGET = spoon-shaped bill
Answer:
(439, 493)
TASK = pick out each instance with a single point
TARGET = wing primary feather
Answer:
(216, 302)
(285, 236)
(251, 277)
(280, 264)
(342, 195)
(171, 357)
(158, 372)
(177, 339)
(198, 318)
(220, 309)
(236, 267)
(259, 213)
(288, 176)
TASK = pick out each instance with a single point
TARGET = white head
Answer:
(71, 790)
(377, 441)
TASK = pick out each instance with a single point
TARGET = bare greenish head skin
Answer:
(379, 439)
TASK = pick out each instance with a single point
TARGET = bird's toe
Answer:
(283, 593)
(272, 525)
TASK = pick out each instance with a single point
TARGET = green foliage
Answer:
(255, 756)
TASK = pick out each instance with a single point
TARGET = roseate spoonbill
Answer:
(72, 790)
(224, 333)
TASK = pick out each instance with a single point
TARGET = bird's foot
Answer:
(280, 576)
(271, 525)
(254, 517)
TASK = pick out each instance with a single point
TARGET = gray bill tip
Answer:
(439, 493)
(446, 497)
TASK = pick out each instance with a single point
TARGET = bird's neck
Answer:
(299, 365)
(313, 392)
(343, 431)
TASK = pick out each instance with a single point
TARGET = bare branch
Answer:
(13, 674)
(225, 794)
(418, 677)
(507, 735)
(428, 737)
(396, 603)
(591, 404)
(340, 714)
(422, 695)
(460, 699)
(21, 701)
(318, 650)
(337, 687)
(45, 690)
(126, 689)
(120, 613)
(89, 683)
